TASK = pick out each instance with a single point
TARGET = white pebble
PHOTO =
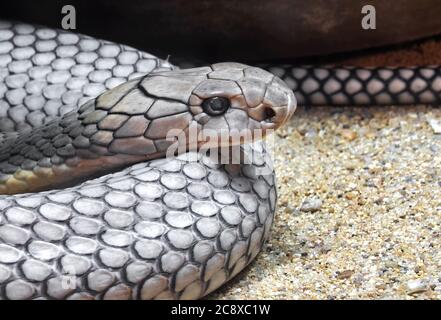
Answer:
(311, 205)
(435, 124)
(417, 286)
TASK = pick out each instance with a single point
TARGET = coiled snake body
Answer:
(151, 229)
(89, 206)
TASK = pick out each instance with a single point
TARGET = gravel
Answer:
(376, 233)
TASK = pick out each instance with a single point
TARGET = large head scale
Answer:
(228, 97)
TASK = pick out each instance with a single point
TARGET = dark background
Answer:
(212, 30)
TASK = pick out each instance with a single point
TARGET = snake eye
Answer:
(216, 106)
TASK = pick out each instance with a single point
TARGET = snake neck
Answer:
(67, 151)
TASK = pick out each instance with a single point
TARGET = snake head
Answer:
(233, 99)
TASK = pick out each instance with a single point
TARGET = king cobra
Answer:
(91, 207)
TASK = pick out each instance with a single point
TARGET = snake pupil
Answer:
(215, 106)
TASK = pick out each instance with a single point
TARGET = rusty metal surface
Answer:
(247, 30)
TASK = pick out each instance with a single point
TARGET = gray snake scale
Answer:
(144, 226)
(159, 229)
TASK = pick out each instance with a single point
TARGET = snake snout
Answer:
(292, 104)
(279, 104)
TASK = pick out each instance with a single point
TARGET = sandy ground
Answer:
(359, 211)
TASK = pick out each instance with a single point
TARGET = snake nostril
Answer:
(269, 113)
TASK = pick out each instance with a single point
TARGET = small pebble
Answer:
(311, 134)
(311, 205)
(345, 274)
(348, 134)
(417, 286)
(292, 209)
(370, 134)
(435, 124)
(351, 195)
